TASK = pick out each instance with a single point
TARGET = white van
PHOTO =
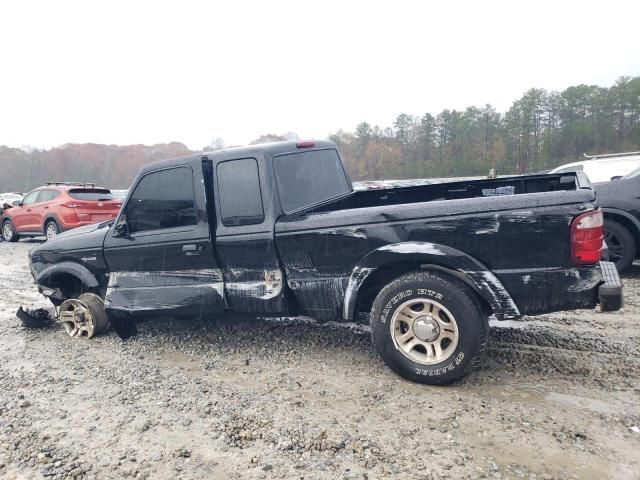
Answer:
(603, 168)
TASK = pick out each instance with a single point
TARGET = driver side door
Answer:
(159, 252)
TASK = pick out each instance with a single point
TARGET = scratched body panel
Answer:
(493, 232)
(133, 291)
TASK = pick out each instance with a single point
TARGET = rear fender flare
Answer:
(431, 256)
(54, 217)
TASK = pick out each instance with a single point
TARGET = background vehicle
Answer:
(620, 203)
(277, 229)
(9, 198)
(603, 168)
(57, 207)
(119, 194)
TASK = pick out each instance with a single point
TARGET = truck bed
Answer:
(506, 186)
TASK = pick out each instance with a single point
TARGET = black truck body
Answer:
(276, 229)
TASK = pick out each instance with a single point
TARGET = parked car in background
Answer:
(9, 198)
(58, 207)
(119, 194)
(620, 203)
(603, 168)
(411, 182)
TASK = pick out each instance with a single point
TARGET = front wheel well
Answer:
(382, 276)
(70, 286)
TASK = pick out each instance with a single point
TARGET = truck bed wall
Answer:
(502, 187)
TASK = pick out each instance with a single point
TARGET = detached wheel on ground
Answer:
(84, 316)
(8, 232)
(429, 327)
(621, 244)
(51, 229)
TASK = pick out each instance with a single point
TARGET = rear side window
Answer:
(309, 178)
(96, 194)
(239, 192)
(163, 199)
(47, 195)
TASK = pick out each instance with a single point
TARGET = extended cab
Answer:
(277, 229)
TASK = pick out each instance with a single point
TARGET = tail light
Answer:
(306, 144)
(586, 238)
(70, 205)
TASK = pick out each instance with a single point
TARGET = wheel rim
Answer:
(424, 331)
(77, 318)
(52, 230)
(615, 246)
(7, 231)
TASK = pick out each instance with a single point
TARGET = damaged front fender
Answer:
(46, 275)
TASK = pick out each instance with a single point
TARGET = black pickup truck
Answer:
(276, 229)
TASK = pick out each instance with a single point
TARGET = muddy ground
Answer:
(558, 396)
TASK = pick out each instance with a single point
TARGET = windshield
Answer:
(308, 178)
(633, 173)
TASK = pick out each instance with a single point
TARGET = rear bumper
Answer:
(610, 296)
(546, 290)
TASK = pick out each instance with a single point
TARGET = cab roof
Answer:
(260, 150)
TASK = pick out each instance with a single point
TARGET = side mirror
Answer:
(16, 203)
(121, 230)
(616, 177)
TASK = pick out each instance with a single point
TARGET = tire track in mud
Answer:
(547, 350)
(567, 340)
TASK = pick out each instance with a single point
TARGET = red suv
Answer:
(58, 207)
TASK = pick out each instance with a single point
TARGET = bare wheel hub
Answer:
(84, 316)
(424, 331)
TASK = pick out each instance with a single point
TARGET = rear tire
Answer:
(621, 244)
(9, 232)
(51, 229)
(429, 328)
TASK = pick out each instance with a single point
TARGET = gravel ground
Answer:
(558, 396)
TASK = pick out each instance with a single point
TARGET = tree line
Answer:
(110, 166)
(541, 130)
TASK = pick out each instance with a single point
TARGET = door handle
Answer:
(192, 249)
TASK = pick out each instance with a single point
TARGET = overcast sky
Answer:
(149, 72)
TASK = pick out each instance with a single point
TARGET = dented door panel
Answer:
(253, 279)
(165, 269)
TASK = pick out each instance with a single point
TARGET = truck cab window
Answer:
(163, 199)
(239, 192)
(309, 178)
